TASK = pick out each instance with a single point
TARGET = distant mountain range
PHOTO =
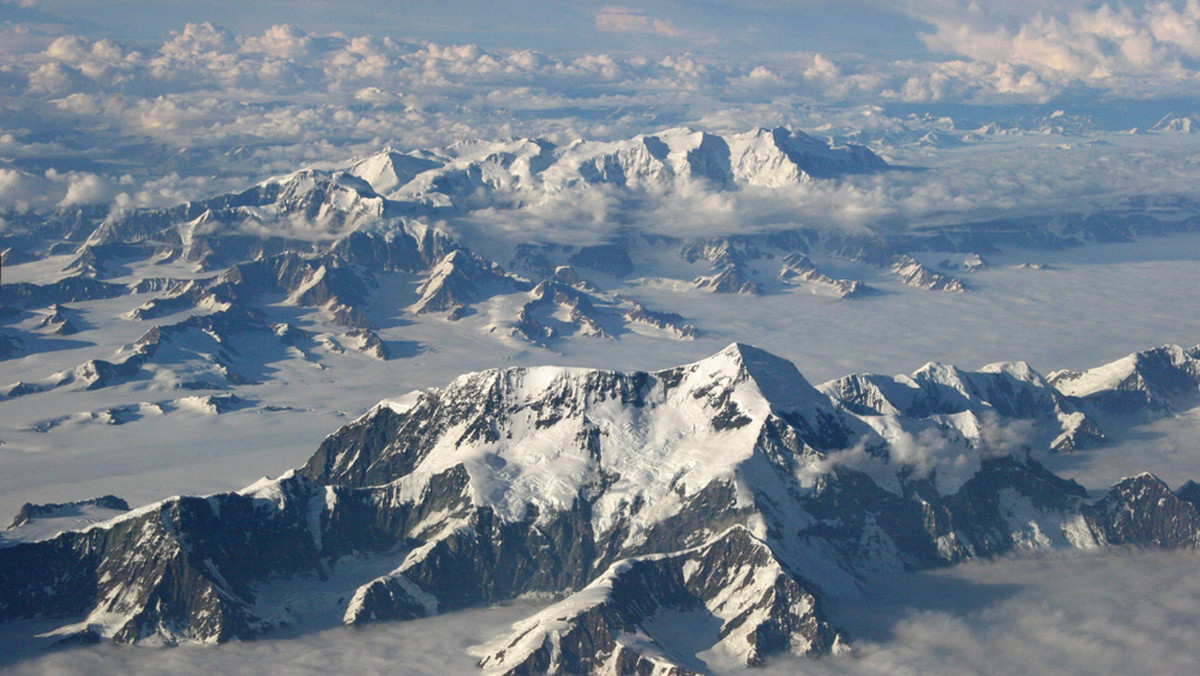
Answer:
(372, 237)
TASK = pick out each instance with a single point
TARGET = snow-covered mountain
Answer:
(1143, 383)
(1178, 124)
(375, 197)
(761, 157)
(728, 495)
(349, 240)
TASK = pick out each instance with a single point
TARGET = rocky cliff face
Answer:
(727, 496)
(731, 594)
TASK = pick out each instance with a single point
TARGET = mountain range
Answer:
(668, 517)
(352, 241)
(729, 496)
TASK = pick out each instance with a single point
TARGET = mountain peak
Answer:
(1161, 373)
(389, 169)
(777, 379)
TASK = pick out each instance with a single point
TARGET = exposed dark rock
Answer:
(731, 592)
(913, 273)
(66, 290)
(611, 259)
(30, 510)
(59, 320)
(10, 346)
(1142, 510)
(728, 279)
(555, 304)
(461, 279)
(1190, 491)
(671, 322)
(368, 341)
(797, 266)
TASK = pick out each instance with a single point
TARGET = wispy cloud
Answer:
(618, 18)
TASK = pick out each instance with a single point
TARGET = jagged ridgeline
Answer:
(729, 496)
(351, 241)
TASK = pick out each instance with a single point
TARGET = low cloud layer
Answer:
(1099, 612)
(946, 456)
(1081, 612)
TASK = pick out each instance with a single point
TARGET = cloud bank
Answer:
(208, 109)
(1134, 48)
(1106, 612)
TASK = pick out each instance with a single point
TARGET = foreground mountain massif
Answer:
(674, 515)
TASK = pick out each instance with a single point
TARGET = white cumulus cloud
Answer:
(1105, 44)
